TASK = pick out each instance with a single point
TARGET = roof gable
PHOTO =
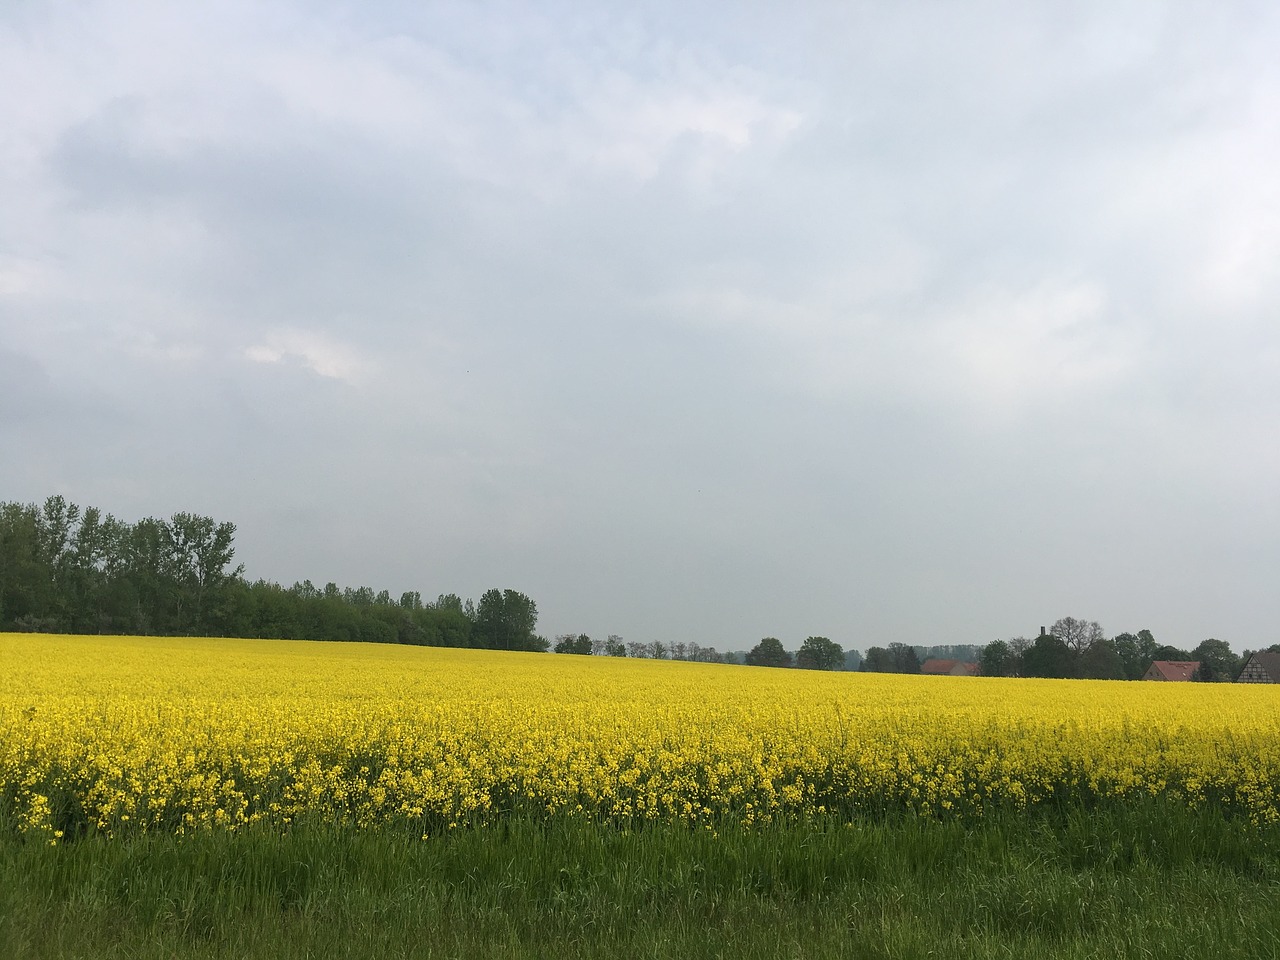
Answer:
(1175, 669)
(1270, 662)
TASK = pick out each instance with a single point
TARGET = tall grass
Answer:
(1155, 881)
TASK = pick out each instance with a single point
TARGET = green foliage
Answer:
(820, 653)
(1136, 652)
(63, 569)
(769, 653)
(1082, 884)
(505, 620)
(1048, 657)
(997, 660)
(614, 647)
(896, 658)
(568, 643)
(1100, 660)
(1217, 661)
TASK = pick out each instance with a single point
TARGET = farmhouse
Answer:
(1172, 670)
(1262, 668)
(949, 668)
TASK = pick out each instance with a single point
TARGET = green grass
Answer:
(1155, 882)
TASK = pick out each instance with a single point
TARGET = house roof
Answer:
(938, 666)
(1176, 669)
(947, 667)
(1270, 662)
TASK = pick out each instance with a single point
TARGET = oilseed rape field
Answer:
(122, 735)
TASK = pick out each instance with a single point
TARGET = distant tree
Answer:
(570, 643)
(1048, 656)
(877, 660)
(1101, 660)
(1136, 652)
(997, 660)
(820, 653)
(1078, 635)
(637, 650)
(1218, 663)
(411, 600)
(25, 582)
(769, 653)
(614, 647)
(904, 658)
(852, 659)
(359, 596)
(505, 620)
(1018, 646)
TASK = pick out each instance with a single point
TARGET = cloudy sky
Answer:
(921, 322)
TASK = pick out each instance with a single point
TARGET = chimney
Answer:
(1042, 631)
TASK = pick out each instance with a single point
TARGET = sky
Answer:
(887, 322)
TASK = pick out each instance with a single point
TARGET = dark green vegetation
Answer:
(67, 570)
(1156, 882)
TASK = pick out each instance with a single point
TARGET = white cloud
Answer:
(23, 276)
(317, 352)
(1048, 342)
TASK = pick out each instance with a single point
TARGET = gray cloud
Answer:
(858, 321)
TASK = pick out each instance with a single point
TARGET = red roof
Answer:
(1174, 669)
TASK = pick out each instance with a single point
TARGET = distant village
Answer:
(1070, 649)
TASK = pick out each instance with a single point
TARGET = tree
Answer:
(504, 620)
(1135, 652)
(1217, 661)
(568, 643)
(997, 660)
(820, 653)
(199, 551)
(1049, 656)
(877, 660)
(904, 658)
(614, 647)
(1101, 660)
(25, 583)
(1078, 635)
(769, 653)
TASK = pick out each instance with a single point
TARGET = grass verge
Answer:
(1157, 881)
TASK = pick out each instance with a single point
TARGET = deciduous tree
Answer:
(769, 652)
(820, 653)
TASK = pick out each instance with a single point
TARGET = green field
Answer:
(1127, 882)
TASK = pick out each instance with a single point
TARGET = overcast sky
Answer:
(920, 322)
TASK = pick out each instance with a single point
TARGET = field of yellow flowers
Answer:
(126, 734)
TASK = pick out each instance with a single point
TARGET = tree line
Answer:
(1080, 648)
(68, 570)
